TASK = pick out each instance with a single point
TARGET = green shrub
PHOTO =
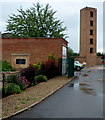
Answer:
(4, 64)
(34, 83)
(41, 78)
(18, 80)
(21, 85)
(12, 78)
(37, 67)
(11, 88)
(51, 57)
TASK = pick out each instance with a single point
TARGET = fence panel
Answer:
(66, 66)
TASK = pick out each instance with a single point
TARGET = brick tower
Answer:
(88, 35)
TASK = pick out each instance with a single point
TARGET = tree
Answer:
(71, 53)
(102, 55)
(38, 21)
(76, 54)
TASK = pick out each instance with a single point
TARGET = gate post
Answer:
(60, 66)
(3, 84)
(70, 67)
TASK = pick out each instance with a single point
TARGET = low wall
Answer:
(83, 59)
(99, 61)
(80, 59)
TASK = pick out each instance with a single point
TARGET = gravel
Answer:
(31, 96)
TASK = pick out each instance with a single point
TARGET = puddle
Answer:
(88, 91)
(75, 86)
(81, 86)
(84, 84)
(101, 80)
(89, 71)
(78, 84)
(85, 75)
(100, 95)
(71, 85)
(87, 81)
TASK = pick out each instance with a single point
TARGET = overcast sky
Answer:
(68, 11)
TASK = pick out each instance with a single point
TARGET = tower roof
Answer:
(87, 8)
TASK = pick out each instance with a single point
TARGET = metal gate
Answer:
(70, 67)
(66, 66)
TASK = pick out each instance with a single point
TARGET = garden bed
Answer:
(16, 103)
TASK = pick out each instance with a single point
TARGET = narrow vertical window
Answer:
(91, 23)
(91, 32)
(91, 50)
(91, 14)
(91, 41)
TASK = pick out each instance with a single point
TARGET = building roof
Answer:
(87, 8)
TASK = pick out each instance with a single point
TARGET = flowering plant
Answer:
(14, 93)
(23, 82)
(29, 73)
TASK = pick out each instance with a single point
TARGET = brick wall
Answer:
(92, 61)
(80, 59)
(99, 61)
(38, 49)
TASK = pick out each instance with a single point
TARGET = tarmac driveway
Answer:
(81, 98)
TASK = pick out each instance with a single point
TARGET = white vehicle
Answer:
(78, 66)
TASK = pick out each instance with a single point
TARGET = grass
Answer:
(26, 99)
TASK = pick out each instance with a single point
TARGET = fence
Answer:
(66, 66)
(3, 79)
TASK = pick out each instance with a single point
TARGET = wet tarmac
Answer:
(81, 98)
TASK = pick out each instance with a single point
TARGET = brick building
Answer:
(20, 52)
(88, 36)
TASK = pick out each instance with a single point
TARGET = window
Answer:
(91, 32)
(91, 14)
(64, 51)
(20, 61)
(91, 23)
(91, 41)
(91, 50)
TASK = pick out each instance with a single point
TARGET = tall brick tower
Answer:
(88, 34)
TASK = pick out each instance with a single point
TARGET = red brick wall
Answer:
(38, 48)
(99, 61)
(80, 59)
(92, 61)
